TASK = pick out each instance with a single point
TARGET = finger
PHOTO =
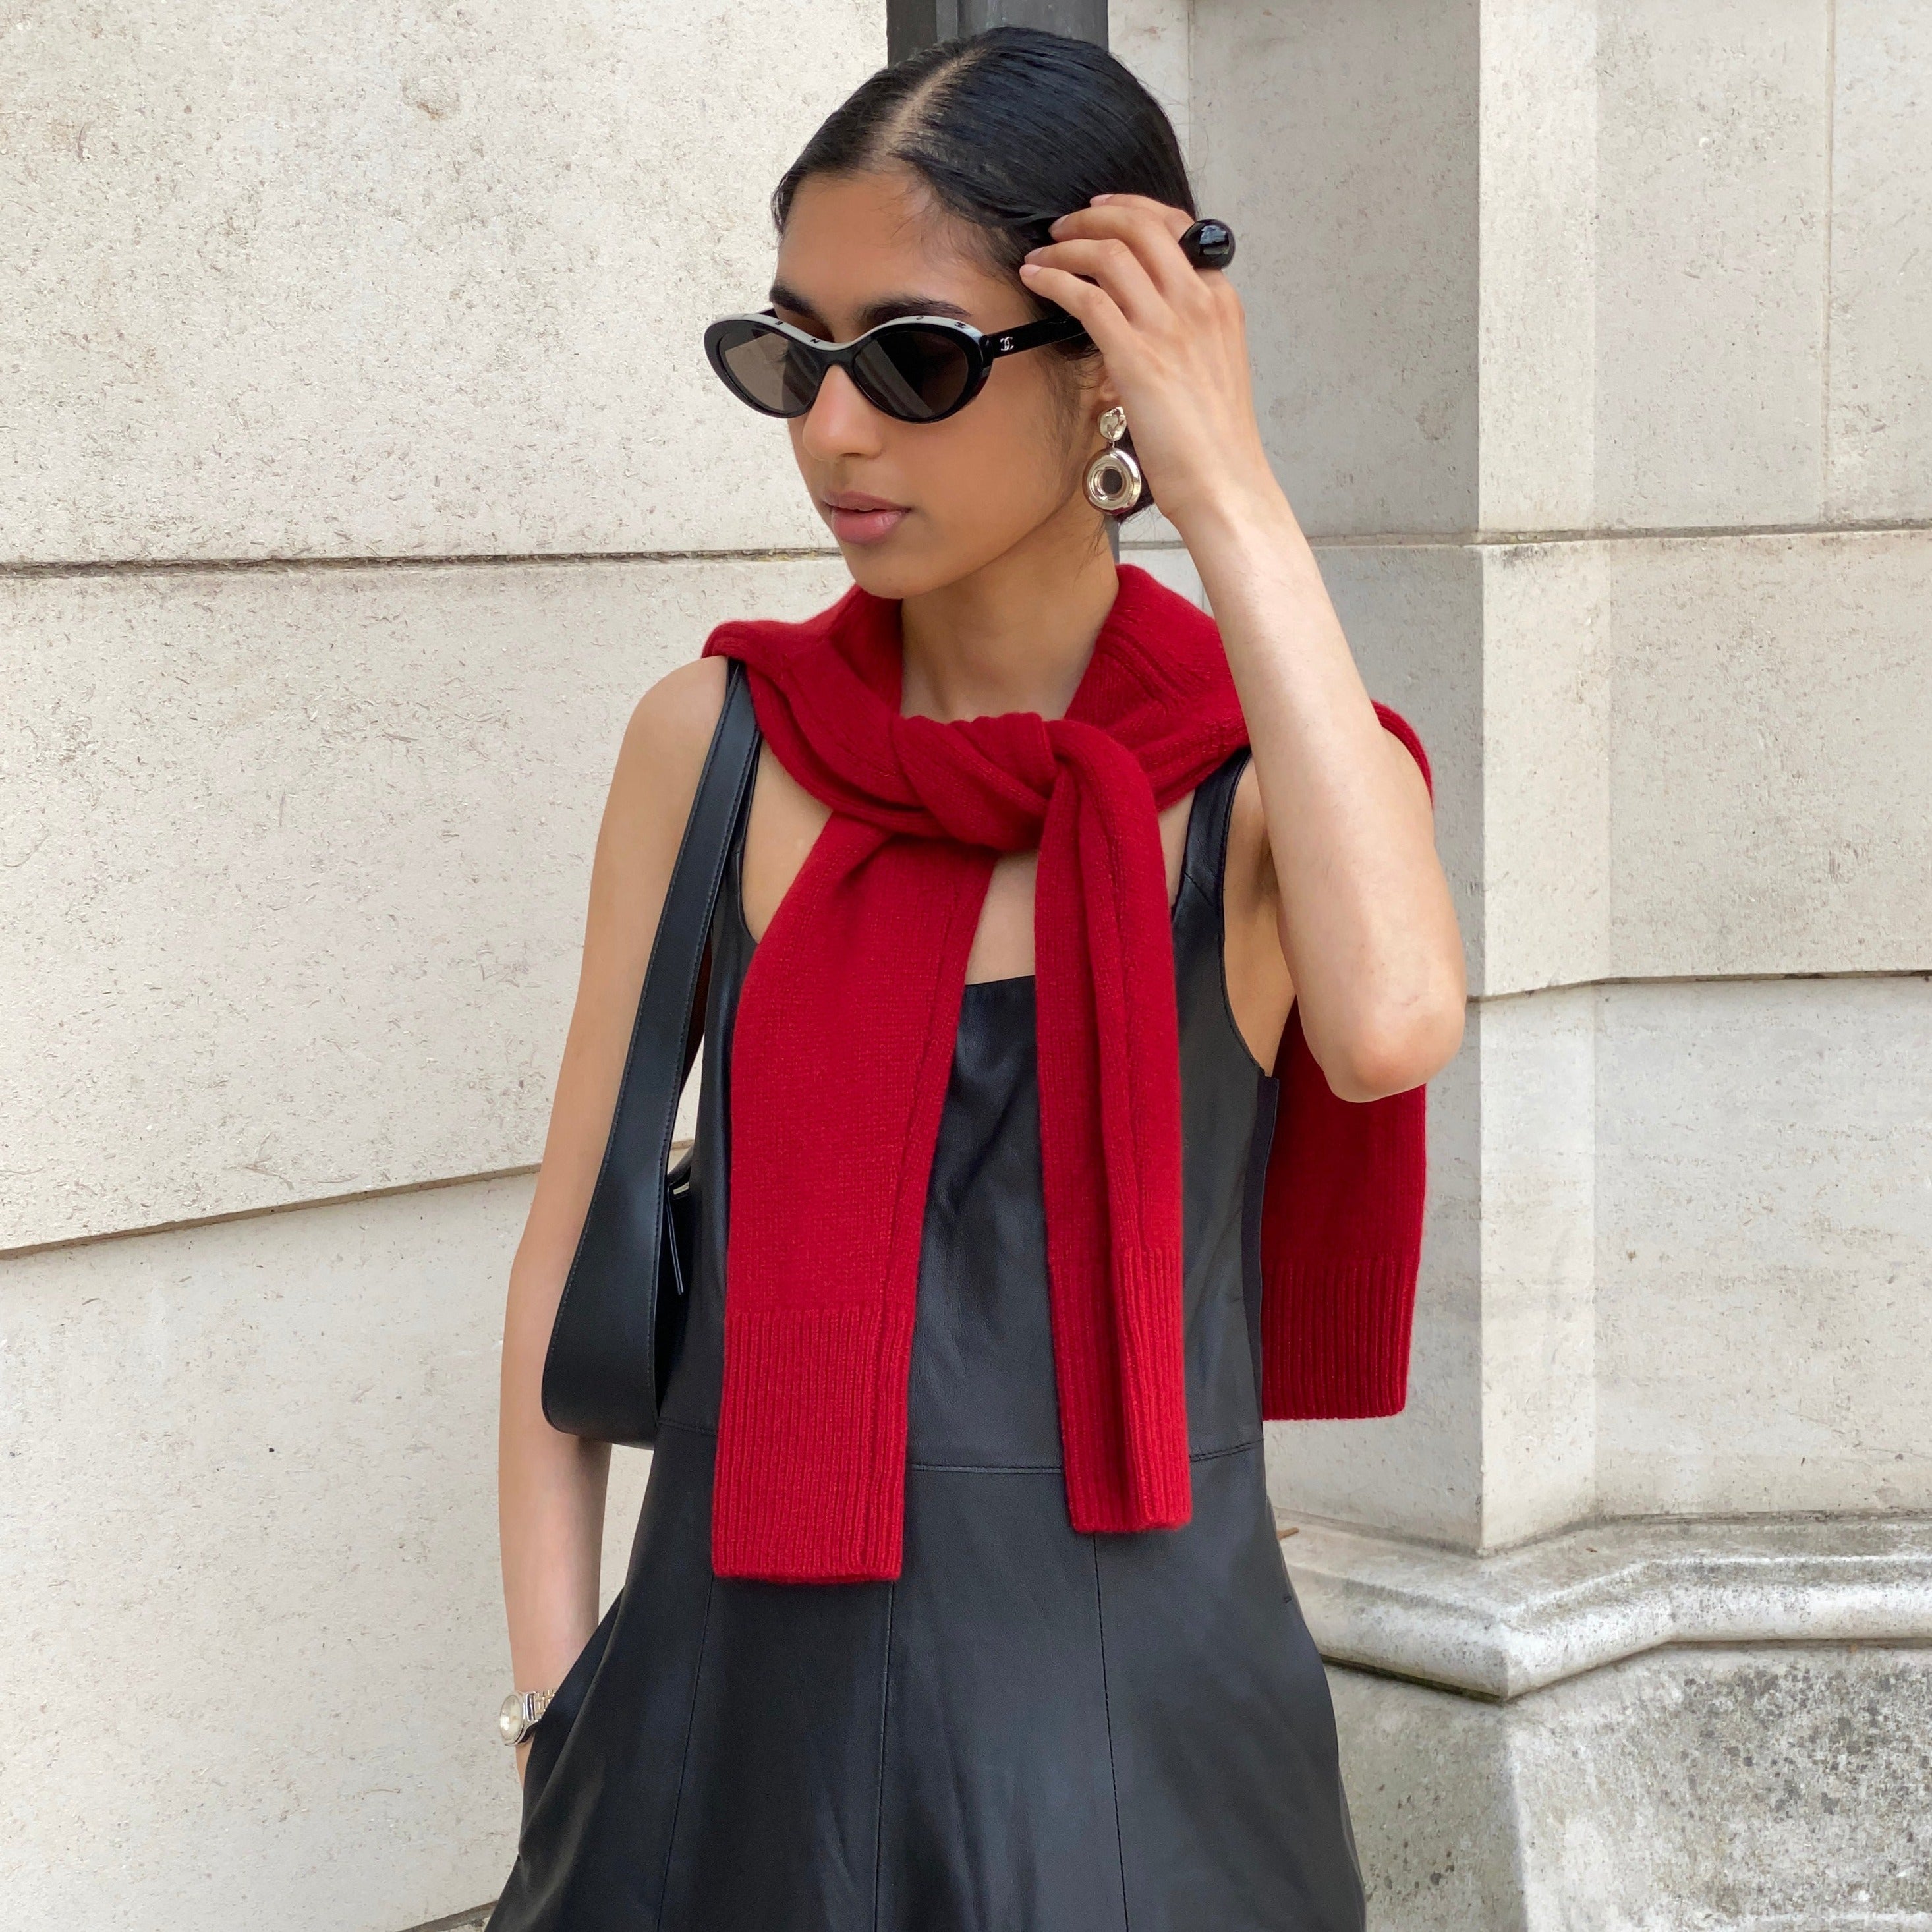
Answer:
(1176, 221)
(1149, 230)
(1089, 304)
(1111, 261)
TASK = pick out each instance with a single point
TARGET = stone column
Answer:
(1591, 347)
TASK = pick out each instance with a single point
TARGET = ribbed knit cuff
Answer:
(1124, 1402)
(809, 1486)
(1335, 1340)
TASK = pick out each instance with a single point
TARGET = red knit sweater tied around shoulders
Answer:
(844, 1042)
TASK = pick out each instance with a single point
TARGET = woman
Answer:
(955, 1601)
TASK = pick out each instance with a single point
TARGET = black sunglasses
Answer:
(918, 368)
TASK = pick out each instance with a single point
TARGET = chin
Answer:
(875, 569)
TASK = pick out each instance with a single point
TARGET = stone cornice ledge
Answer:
(1497, 1626)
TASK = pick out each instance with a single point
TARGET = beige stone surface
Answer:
(1878, 421)
(355, 280)
(1764, 1258)
(1731, 1789)
(1539, 1224)
(1770, 797)
(252, 1583)
(1712, 188)
(1678, 757)
(1339, 142)
(1536, 304)
(295, 866)
(1552, 618)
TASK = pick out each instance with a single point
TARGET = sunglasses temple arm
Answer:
(1034, 334)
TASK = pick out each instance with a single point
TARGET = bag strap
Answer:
(589, 1385)
(667, 1025)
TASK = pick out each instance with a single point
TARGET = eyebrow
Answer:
(874, 313)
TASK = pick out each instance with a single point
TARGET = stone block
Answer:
(1771, 798)
(1726, 1788)
(1537, 319)
(1686, 757)
(296, 864)
(1539, 1224)
(346, 282)
(1712, 204)
(252, 1574)
(1764, 1257)
(1879, 417)
(1550, 718)
(1340, 142)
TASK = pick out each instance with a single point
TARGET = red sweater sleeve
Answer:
(1341, 1233)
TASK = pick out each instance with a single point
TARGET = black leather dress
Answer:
(1031, 1728)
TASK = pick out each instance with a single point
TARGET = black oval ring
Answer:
(1209, 244)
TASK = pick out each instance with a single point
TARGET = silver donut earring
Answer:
(1114, 481)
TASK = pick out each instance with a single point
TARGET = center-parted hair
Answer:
(1009, 129)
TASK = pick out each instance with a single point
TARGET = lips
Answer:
(857, 517)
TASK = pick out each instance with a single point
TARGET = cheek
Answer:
(1005, 449)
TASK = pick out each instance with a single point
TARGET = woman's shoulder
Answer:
(665, 739)
(681, 706)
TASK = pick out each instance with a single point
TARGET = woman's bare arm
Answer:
(1359, 907)
(550, 1486)
(1354, 893)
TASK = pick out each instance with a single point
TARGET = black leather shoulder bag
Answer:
(622, 1314)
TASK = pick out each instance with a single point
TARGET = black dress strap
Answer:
(1207, 821)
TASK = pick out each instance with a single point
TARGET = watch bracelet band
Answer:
(534, 1703)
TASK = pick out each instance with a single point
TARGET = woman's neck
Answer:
(1014, 635)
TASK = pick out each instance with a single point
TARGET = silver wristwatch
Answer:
(520, 1711)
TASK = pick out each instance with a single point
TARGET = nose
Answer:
(840, 422)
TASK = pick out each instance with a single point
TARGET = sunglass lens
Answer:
(914, 373)
(769, 371)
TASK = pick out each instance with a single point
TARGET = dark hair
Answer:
(1009, 129)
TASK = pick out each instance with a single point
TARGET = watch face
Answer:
(510, 1719)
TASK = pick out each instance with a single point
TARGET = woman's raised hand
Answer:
(1175, 345)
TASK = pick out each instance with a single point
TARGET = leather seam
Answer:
(684, 1765)
(885, 1707)
(1107, 1708)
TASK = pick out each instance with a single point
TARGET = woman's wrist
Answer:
(1236, 513)
(1246, 543)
